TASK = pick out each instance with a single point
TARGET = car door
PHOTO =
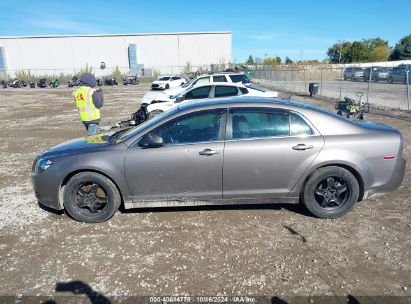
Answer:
(266, 152)
(187, 166)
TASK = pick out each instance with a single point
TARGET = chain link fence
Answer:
(148, 71)
(380, 86)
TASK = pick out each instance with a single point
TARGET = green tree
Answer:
(288, 60)
(338, 52)
(380, 53)
(358, 52)
(402, 49)
(250, 60)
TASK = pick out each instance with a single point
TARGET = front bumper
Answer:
(46, 186)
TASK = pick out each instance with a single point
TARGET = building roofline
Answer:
(115, 35)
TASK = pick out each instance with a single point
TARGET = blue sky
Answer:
(283, 28)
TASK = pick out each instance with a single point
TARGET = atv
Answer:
(131, 80)
(110, 81)
(42, 83)
(54, 83)
(74, 82)
(352, 107)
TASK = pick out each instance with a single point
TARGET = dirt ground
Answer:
(275, 251)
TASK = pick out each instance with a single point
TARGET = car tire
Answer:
(154, 113)
(91, 197)
(330, 192)
(167, 86)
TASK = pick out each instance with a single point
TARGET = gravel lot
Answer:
(275, 250)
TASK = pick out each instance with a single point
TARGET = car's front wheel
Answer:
(154, 113)
(330, 192)
(91, 197)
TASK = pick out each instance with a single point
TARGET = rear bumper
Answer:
(394, 182)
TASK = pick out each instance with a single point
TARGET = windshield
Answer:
(188, 83)
(133, 131)
(165, 78)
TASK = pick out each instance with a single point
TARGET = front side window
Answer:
(203, 80)
(225, 91)
(220, 78)
(259, 124)
(192, 128)
(175, 78)
(198, 93)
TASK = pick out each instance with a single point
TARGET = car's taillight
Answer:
(388, 157)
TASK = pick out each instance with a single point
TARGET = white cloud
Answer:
(62, 24)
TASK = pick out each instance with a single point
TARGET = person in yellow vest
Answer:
(88, 102)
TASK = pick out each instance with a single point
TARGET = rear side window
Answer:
(203, 80)
(239, 78)
(259, 124)
(220, 78)
(225, 91)
(298, 126)
(198, 93)
(175, 78)
(243, 90)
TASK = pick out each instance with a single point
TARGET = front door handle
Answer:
(208, 152)
(302, 147)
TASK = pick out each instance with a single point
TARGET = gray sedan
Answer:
(231, 151)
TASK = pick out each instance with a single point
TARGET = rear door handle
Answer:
(208, 152)
(302, 147)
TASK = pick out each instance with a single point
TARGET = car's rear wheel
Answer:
(330, 192)
(91, 197)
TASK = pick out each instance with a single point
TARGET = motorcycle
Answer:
(32, 85)
(4, 84)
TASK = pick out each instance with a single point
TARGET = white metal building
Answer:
(163, 52)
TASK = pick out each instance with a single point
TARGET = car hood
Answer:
(77, 145)
(174, 91)
(159, 82)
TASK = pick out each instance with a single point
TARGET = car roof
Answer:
(227, 84)
(232, 101)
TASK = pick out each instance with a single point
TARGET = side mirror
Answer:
(179, 99)
(151, 141)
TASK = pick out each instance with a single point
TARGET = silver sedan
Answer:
(231, 151)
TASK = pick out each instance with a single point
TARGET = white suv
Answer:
(167, 82)
(229, 77)
(211, 90)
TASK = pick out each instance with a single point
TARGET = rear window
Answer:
(239, 78)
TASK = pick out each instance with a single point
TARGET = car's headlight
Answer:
(43, 164)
